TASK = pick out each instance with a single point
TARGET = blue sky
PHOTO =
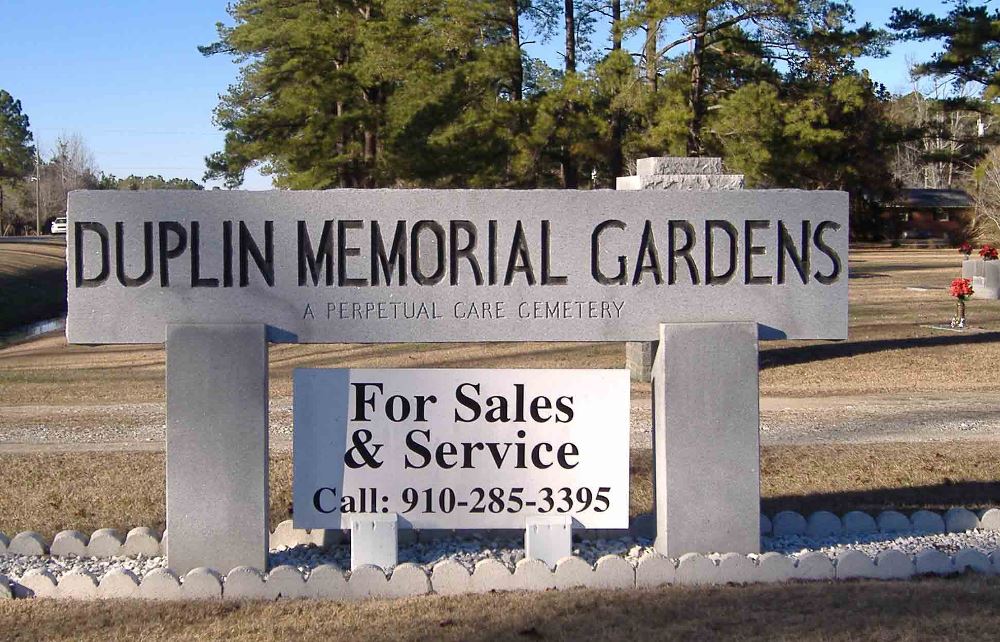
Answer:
(126, 75)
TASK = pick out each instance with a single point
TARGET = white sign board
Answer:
(461, 448)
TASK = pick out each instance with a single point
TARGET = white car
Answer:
(58, 226)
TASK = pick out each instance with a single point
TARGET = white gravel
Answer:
(510, 551)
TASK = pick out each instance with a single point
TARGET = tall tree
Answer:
(17, 154)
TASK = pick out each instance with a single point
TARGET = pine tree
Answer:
(17, 154)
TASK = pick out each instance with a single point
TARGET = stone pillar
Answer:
(706, 441)
(217, 397)
(677, 173)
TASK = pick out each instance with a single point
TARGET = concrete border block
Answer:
(927, 521)
(891, 521)
(697, 569)
(969, 559)
(37, 582)
(775, 567)
(990, 521)
(5, 591)
(374, 541)
(678, 165)
(959, 520)
(533, 575)
(105, 542)
(69, 543)
(368, 581)
(160, 584)
(788, 522)
(77, 585)
(245, 583)
(735, 568)
(814, 566)
(853, 564)
(572, 572)
(548, 538)
(643, 526)
(142, 540)
(327, 582)
(894, 565)
(931, 561)
(202, 584)
(655, 570)
(765, 524)
(859, 522)
(613, 571)
(28, 543)
(823, 523)
(491, 575)
(451, 578)
(408, 579)
(285, 534)
(285, 582)
(118, 583)
(4, 543)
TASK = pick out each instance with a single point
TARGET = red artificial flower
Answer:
(961, 288)
(965, 248)
(988, 252)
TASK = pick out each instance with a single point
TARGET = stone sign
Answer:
(461, 448)
(433, 265)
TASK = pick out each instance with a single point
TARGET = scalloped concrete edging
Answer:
(107, 542)
(451, 578)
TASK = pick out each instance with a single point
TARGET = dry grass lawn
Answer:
(955, 609)
(87, 491)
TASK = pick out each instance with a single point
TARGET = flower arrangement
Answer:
(966, 249)
(988, 252)
(961, 289)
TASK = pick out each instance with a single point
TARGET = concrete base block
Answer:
(548, 539)
(27, 543)
(990, 520)
(160, 584)
(141, 541)
(117, 584)
(678, 165)
(854, 564)
(969, 559)
(408, 580)
(775, 567)
(823, 523)
(681, 182)
(890, 521)
(451, 578)
(788, 522)
(572, 572)
(285, 582)
(639, 359)
(327, 582)
(931, 561)
(245, 583)
(5, 591)
(105, 542)
(959, 520)
(69, 543)
(765, 525)
(4, 543)
(532, 575)
(814, 566)
(36, 583)
(893, 565)
(491, 575)
(926, 521)
(612, 571)
(368, 581)
(77, 585)
(655, 570)
(202, 584)
(217, 401)
(734, 568)
(697, 569)
(374, 540)
(859, 522)
(706, 439)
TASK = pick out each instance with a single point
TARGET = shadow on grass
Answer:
(793, 355)
(28, 299)
(938, 497)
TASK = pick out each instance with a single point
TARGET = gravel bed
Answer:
(510, 551)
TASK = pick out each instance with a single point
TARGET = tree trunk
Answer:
(517, 81)
(370, 152)
(570, 36)
(652, 28)
(694, 143)
(617, 160)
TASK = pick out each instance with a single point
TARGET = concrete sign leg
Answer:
(375, 540)
(548, 539)
(217, 398)
(706, 439)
